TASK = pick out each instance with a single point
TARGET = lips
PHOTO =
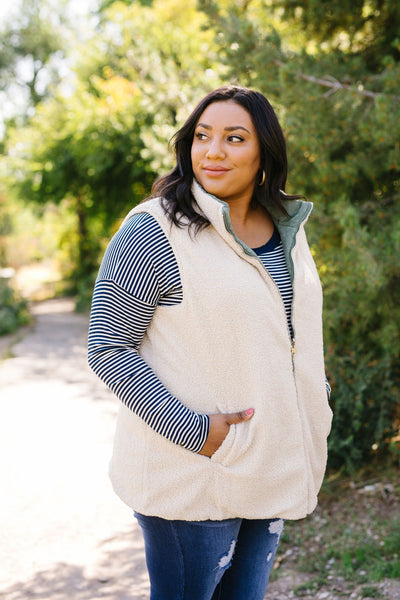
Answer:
(214, 170)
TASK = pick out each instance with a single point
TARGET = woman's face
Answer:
(226, 152)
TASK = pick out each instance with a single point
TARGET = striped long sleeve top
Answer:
(138, 273)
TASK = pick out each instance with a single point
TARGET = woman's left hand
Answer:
(219, 429)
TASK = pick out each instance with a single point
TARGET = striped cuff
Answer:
(328, 388)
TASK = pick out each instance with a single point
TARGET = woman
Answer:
(223, 420)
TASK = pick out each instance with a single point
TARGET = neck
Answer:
(240, 213)
(253, 226)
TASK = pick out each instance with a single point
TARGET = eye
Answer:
(235, 138)
(200, 136)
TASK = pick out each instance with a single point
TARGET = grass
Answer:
(371, 591)
(353, 537)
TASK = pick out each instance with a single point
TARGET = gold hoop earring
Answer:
(262, 179)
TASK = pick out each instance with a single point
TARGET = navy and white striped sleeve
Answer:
(139, 272)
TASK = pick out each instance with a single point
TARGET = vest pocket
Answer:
(225, 453)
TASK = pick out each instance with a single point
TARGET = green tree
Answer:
(31, 44)
(368, 28)
(102, 147)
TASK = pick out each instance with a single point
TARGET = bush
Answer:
(13, 309)
(84, 293)
(362, 334)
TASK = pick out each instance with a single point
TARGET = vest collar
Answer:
(217, 212)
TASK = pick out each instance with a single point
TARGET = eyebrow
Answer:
(233, 128)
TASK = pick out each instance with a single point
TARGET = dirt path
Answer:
(64, 534)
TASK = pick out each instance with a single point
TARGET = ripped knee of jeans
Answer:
(276, 527)
(226, 560)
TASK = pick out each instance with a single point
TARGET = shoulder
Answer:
(135, 244)
(152, 206)
(140, 230)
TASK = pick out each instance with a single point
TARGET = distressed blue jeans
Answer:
(209, 560)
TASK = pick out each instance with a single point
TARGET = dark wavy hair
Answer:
(175, 187)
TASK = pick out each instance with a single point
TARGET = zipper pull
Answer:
(293, 346)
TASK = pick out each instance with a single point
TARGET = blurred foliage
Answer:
(331, 70)
(363, 27)
(31, 42)
(13, 309)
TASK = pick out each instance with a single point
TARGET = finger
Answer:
(238, 417)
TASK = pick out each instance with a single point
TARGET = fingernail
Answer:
(249, 411)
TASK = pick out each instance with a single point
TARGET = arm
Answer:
(127, 291)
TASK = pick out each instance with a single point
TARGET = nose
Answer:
(215, 149)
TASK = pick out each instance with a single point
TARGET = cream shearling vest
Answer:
(225, 348)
